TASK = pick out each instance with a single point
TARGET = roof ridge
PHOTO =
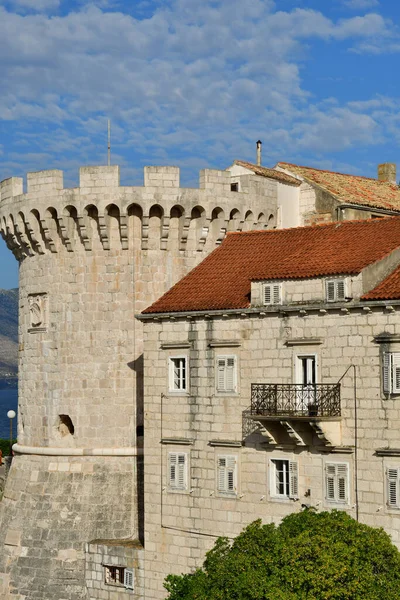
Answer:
(334, 172)
(348, 223)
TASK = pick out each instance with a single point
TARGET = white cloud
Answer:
(196, 77)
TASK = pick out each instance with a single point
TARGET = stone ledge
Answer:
(225, 343)
(54, 451)
(178, 441)
(225, 443)
(387, 452)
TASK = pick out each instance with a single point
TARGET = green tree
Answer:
(309, 556)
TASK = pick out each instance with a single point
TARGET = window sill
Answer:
(284, 499)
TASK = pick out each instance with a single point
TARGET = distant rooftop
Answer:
(270, 173)
(352, 189)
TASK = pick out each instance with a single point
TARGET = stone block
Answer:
(43, 182)
(11, 187)
(98, 177)
(162, 177)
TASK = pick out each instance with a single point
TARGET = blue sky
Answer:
(195, 83)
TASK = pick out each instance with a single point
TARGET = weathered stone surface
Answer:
(90, 259)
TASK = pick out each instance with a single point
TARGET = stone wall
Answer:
(204, 423)
(122, 554)
(90, 259)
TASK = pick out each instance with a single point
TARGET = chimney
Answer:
(259, 144)
(387, 172)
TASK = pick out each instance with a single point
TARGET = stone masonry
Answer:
(91, 258)
(201, 423)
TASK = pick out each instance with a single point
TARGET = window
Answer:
(177, 374)
(177, 470)
(128, 579)
(235, 187)
(272, 293)
(335, 290)
(284, 479)
(393, 490)
(226, 373)
(226, 474)
(337, 482)
(391, 372)
(118, 576)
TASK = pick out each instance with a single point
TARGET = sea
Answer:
(8, 401)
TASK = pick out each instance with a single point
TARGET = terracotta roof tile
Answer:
(351, 189)
(388, 289)
(223, 279)
(271, 173)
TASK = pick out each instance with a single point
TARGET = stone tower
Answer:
(90, 259)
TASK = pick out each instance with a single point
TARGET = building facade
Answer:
(75, 515)
(90, 258)
(272, 382)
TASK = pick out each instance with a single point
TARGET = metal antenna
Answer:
(109, 143)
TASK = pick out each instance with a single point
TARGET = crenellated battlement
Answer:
(157, 216)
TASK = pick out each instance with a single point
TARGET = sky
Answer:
(195, 83)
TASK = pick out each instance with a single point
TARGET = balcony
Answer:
(277, 401)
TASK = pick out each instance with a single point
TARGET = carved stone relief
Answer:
(38, 308)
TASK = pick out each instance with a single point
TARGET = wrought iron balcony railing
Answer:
(295, 400)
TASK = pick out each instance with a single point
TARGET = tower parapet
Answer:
(49, 217)
(91, 257)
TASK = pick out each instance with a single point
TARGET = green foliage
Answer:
(5, 446)
(309, 556)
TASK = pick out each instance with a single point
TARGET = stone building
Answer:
(322, 196)
(272, 382)
(91, 257)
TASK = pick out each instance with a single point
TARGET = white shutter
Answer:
(128, 579)
(396, 372)
(177, 466)
(221, 370)
(340, 289)
(276, 293)
(230, 373)
(226, 475)
(330, 291)
(293, 479)
(221, 474)
(342, 482)
(226, 371)
(267, 294)
(392, 480)
(181, 471)
(173, 468)
(231, 474)
(386, 370)
(330, 476)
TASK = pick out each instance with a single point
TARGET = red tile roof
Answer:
(223, 279)
(351, 189)
(270, 173)
(388, 289)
